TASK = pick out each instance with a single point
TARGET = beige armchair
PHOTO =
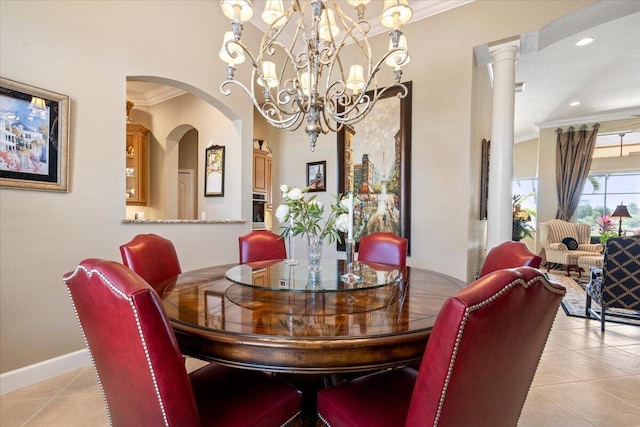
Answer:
(553, 232)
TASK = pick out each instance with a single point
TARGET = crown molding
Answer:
(154, 96)
(623, 114)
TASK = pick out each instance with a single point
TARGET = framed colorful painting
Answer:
(34, 145)
(374, 161)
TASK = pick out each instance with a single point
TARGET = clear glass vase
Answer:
(314, 253)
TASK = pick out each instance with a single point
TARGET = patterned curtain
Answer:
(573, 162)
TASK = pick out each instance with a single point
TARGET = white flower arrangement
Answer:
(302, 216)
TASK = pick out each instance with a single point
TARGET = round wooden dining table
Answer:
(275, 316)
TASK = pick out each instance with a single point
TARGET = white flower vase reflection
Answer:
(344, 223)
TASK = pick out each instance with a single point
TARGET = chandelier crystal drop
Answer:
(306, 78)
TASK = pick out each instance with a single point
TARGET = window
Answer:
(603, 192)
(527, 189)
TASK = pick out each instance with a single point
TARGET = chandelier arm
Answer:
(376, 91)
(328, 123)
(289, 58)
(364, 100)
(274, 30)
(340, 98)
(248, 53)
(353, 22)
(268, 110)
(287, 95)
(340, 82)
(350, 25)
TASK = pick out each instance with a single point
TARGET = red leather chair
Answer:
(154, 258)
(477, 367)
(261, 245)
(509, 255)
(140, 369)
(384, 248)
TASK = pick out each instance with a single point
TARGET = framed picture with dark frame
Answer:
(317, 176)
(214, 171)
(34, 145)
(374, 160)
(484, 178)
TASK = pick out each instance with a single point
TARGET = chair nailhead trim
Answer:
(291, 419)
(90, 273)
(325, 422)
(467, 313)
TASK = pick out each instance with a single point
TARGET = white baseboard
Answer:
(41, 371)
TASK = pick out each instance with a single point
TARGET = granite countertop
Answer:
(182, 221)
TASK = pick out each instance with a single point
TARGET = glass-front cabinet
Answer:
(137, 164)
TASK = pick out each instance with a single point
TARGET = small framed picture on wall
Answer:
(317, 176)
(214, 172)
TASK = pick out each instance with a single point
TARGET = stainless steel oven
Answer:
(259, 202)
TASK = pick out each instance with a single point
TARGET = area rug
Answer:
(574, 302)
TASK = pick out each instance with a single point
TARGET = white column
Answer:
(499, 207)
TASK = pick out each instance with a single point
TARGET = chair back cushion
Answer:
(261, 245)
(152, 257)
(621, 273)
(383, 247)
(509, 255)
(557, 230)
(484, 350)
(132, 346)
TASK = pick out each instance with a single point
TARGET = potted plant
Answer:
(520, 226)
(606, 226)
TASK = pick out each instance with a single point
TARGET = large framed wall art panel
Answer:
(374, 161)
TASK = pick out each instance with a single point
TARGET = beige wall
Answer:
(86, 49)
(525, 159)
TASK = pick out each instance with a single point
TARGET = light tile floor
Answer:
(585, 378)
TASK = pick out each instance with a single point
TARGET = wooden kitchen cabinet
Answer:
(262, 173)
(137, 164)
(259, 171)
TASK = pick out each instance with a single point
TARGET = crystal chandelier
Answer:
(310, 80)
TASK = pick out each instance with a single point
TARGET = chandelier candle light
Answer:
(310, 82)
(292, 258)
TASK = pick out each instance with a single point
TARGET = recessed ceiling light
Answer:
(574, 103)
(585, 41)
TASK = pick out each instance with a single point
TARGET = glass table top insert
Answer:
(278, 275)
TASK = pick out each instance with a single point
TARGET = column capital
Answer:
(505, 50)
